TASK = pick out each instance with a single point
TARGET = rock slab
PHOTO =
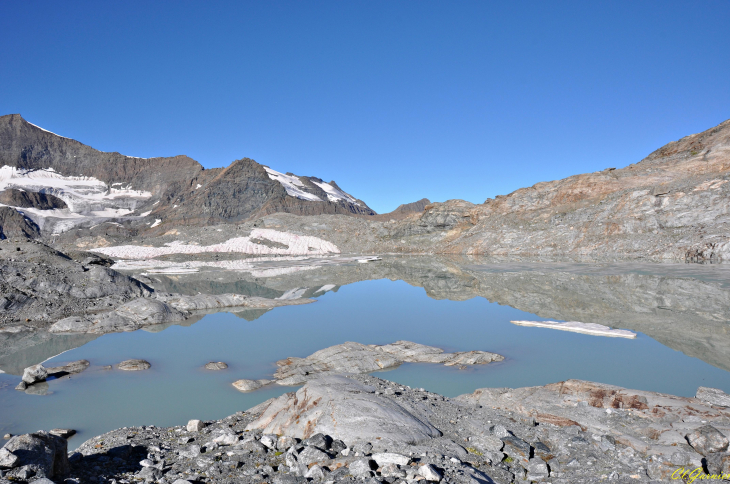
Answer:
(346, 410)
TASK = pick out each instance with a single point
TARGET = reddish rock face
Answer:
(673, 204)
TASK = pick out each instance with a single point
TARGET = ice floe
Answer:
(578, 327)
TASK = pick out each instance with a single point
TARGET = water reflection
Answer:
(685, 307)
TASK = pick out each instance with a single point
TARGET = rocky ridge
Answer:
(135, 192)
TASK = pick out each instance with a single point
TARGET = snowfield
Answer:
(292, 184)
(333, 194)
(87, 197)
(296, 245)
(295, 188)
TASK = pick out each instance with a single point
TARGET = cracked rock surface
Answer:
(538, 434)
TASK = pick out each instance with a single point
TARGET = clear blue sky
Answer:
(394, 100)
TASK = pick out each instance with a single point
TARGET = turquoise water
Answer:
(177, 389)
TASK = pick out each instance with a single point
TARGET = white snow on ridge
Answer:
(333, 194)
(292, 184)
(296, 245)
(578, 327)
(54, 134)
(157, 222)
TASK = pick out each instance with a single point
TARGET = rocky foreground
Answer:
(358, 428)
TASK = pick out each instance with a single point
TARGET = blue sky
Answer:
(394, 100)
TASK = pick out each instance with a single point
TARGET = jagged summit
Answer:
(100, 186)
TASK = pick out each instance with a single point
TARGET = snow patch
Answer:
(296, 245)
(334, 195)
(578, 327)
(198, 186)
(157, 222)
(292, 184)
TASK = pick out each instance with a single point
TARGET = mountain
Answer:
(403, 211)
(150, 193)
(674, 204)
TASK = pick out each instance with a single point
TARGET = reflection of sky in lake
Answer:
(177, 389)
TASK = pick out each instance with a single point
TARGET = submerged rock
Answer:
(249, 385)
(134, 365)
(216, 365)
(351, 357)
(65, 433)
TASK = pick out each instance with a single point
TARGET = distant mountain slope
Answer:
(139, 192)
(403, 211)
(673, 204)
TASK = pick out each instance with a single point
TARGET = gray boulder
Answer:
(430, 473)
(361, 469)
(707, 439)
(195, 426)
(713, 396)
(310, 455)
(42, 453)
(34, 374)
(343, 409)
(8, 460)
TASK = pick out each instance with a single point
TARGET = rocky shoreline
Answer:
(359, 428)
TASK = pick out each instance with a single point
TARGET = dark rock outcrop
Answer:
(23, 199)
(43, 454)
(15, 225)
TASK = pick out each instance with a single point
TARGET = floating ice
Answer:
(578, 327)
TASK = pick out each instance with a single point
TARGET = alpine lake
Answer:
(679, 312)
